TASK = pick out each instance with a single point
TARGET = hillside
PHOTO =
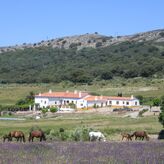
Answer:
(84, 58)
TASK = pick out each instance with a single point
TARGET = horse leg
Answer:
(32, 139)
(122, 137)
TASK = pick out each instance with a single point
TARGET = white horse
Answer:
(98, 136)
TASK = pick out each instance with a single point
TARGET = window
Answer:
(44, 102)
(117, 102)
(110, 102)
(81, 104)
(135, 102)
(127, 103)
(68, 101)
(123, 102)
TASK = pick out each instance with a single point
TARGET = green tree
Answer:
(156, 102)
(140, 98)
(161, 115)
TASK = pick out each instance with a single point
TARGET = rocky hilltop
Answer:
(90, 40)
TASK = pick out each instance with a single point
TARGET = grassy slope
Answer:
(112, 126)
(9, 94)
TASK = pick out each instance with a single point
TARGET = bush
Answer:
(72, 105)
(53, 109)
(44, 110)
(81, 134)
(98, 44)
(58, 135)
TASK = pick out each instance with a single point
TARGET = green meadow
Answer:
(112, 125)
(11, 93)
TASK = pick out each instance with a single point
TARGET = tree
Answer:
(156, 102)
(140, 98)
(161, 115)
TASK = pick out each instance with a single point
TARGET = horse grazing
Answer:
(6, 136)
(19, 135)
(141, 135)
(127, 136)
(96, 136)
(37, 134)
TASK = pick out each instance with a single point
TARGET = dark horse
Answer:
(6, 136)
(141, 135)
(19, 135)
(37, 134)
(127, 136)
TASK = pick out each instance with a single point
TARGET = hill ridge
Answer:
(90, 40)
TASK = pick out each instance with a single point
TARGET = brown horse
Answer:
(6, 136)
(37, 134)
(19, 135)
(127, 136)
(141, 135)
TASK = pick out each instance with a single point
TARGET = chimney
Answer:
(39, 94)
(80, 94)
(75, 91)
(101, 97)
(50, 91)
(96, 98)
(67, 91)
(132, 97)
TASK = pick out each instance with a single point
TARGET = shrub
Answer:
(58, 135)
(53, 109)
(72, 105)
(81, 134)
(61, 130)
(156, 102)
(98, 44)
(44, 110)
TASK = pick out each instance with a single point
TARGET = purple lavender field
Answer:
(82, 153)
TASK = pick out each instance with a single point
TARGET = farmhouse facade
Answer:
(82, 100)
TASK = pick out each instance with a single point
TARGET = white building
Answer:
(82, 100)
(123, 101)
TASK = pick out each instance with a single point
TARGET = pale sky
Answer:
(30, 21)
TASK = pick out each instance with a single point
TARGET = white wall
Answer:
(81, 103)
(124, 102)
(43, 102)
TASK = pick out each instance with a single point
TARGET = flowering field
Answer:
(82, 153)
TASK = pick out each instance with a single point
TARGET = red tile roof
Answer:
(120, 98)
(96, 98)
(63, 94)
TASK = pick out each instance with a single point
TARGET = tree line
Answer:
(47, 64)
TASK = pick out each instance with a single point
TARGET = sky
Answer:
(30, 21)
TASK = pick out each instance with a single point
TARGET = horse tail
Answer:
(24, 140)
(44, 137)
(29, 138)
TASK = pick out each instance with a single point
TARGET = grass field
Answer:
(10, 93)
(110, 125)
